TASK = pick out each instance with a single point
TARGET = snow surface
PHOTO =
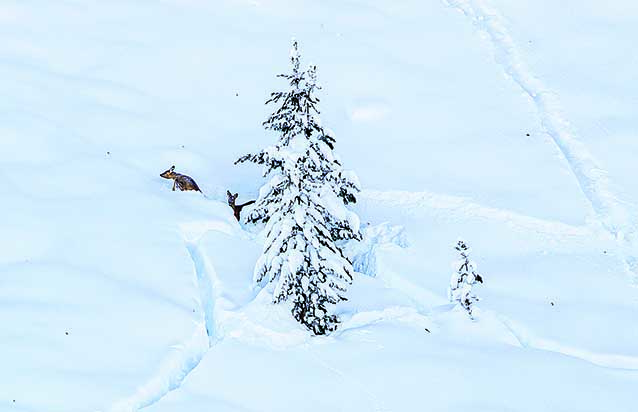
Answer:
(117, 294)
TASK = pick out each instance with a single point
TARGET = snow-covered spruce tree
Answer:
(464, 279)
(303, 206)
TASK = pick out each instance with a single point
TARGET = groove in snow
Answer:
(172, 372)
(207, 283)
(185, 357)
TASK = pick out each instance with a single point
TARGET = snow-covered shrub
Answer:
(363, 254)
(303, 206)
(464, 279)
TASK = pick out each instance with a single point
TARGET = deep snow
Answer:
(509, 123)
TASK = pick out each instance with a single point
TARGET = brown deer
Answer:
(182, 182)
(236, 208)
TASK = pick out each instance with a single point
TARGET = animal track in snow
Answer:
(592, 179)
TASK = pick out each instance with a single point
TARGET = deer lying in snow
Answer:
(182, 182)
(236, 208)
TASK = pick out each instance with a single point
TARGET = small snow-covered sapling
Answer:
(464, 279)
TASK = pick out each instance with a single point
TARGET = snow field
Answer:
(431, 107)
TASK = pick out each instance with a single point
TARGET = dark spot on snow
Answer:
(108, 153)
(427, 330)
(236, 94)
(552, 303)
(604, 251)
(66, 333)
(527, 134)
(182, 146)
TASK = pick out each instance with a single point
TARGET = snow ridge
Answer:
(170, 375)
(606, 360)
(458, 207)
(186, 356)
(592, 179)
(207, 283)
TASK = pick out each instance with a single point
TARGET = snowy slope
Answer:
(462, 118)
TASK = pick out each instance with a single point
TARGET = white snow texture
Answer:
(509, 124)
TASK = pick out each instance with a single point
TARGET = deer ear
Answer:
(172, 168)
(236, 194)
(228, 193)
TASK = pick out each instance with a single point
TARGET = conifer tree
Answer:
(464, 279)
(303, 206)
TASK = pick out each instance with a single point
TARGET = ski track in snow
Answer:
(186, 356)
(606, 360)
(592, 179)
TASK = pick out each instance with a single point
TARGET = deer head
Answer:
(169, 174)
(231, 198)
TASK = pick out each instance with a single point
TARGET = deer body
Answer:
(236, 208)
(180, 181)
